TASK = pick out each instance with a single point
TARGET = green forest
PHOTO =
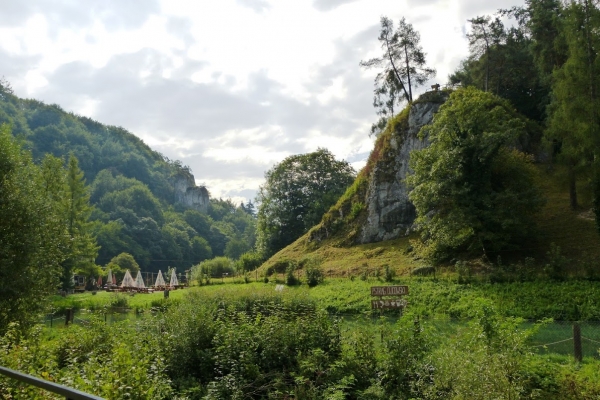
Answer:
(129, 190)
(501, 266)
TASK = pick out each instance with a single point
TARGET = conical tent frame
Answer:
(174, 282)
(139, 281)
(127, 280)
(160, 281)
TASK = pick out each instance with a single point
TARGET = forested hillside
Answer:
(466, 168)
(138, 195)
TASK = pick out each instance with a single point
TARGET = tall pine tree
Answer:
(82, 250)
(574, 123)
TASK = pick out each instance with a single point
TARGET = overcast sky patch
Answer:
(232, 87)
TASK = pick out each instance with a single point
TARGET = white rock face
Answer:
(390, 214)
(190, 195)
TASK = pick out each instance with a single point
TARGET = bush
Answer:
(119, 301)
(314, 275)
(212, 268)
(464, 272)
(249, 261)
(389, 273)
(290, 278)
(281, 266)
(557, 263)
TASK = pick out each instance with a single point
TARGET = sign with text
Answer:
(380, 304)
(389, 290)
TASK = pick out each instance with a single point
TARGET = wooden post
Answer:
(577, 342)
(381, 320)
(166, 293)
(68, 316)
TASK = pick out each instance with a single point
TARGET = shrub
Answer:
(215, 268)
(314, 275)
(389, 273)
(290, 278)
(119, 300)
(281, 266)
(557, 263)
(464, 272)
(249, 261)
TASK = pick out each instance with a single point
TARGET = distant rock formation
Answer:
(390, 214)
(188, 194)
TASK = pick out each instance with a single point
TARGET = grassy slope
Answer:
(573, 230)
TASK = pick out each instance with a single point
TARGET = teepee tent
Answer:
(174, 282)
(109, 279)
(139, 281)
(127, 280)
(160, 281)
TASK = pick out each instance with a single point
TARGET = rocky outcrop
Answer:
(188, 194)
(390, 214)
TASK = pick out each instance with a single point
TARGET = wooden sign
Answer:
(389, 290)
(381, 304)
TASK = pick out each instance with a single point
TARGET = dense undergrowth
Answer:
(266, 344)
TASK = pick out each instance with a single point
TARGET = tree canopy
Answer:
(134, 208)
(33, 235)
(547, 67)
(473, 191)
(402, 67)
(296, 194)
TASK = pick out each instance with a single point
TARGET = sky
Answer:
(229, 87)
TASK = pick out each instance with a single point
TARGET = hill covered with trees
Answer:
(478, 170)
(143, 203)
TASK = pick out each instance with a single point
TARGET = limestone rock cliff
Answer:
(390, 214)
(376, 207)
(188, 194)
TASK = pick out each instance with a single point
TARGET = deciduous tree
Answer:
(296, 194)
(32, 235)
(472, 190)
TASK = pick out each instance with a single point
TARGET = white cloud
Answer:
(230, 87)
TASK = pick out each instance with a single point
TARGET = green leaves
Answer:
(402, 67)
(471, 190)
(296, 194)
(32, 235)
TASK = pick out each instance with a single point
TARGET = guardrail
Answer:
(69, 393)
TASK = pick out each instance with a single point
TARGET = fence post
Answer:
(68, 316)
(577, 342)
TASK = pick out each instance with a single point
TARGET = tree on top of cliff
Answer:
(472, 190)
(402, 67)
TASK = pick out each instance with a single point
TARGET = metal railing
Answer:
(69, 393)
